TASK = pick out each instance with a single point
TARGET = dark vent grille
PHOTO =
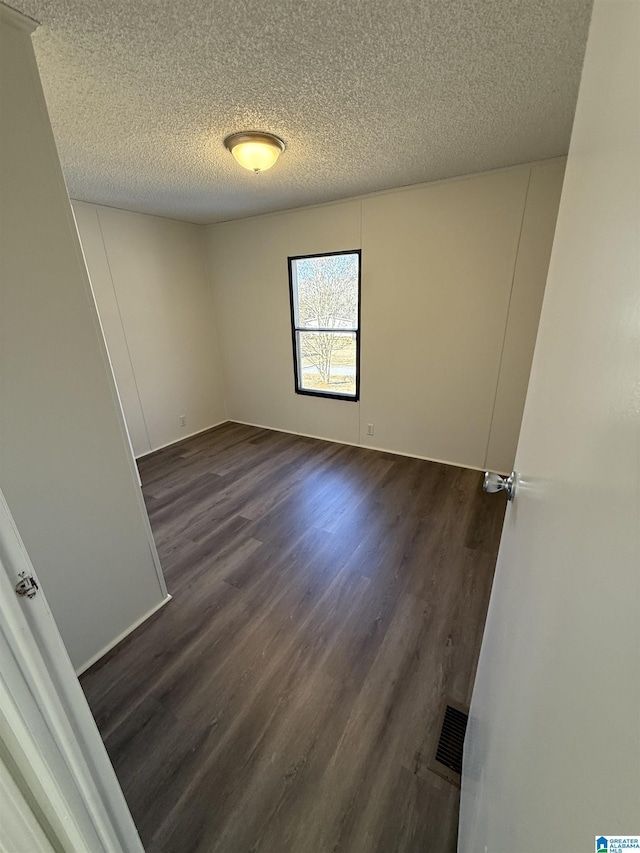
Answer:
(449, 751)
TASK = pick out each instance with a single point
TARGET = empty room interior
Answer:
(275, 276)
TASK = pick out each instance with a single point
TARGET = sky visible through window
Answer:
(326, 304)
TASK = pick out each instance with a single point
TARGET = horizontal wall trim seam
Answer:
(364, 446)
(123, 635)
(136, 212)
(374, 194)
(391, 190)
(20, 20)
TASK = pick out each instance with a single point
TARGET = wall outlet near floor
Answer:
(369, 429)
(183, 420)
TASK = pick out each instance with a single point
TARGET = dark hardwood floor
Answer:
(326, 599)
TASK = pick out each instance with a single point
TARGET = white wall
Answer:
(444, 266)
(248, 261)
(552, 756)
(65, 464)
(527, 292)
(149, 277)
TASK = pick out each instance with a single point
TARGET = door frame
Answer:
(48, 737)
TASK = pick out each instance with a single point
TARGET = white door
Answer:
(57, 786)
(552, 757)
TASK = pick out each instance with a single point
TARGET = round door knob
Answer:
(495, 483)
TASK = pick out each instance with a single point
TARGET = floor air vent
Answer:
(447, 761)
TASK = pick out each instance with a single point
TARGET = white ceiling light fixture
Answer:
(254, 150)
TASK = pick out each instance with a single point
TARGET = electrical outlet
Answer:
(183, 420)
(369, 429)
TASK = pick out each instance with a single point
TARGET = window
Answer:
(325, 321)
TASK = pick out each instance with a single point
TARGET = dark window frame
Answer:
(308, 392)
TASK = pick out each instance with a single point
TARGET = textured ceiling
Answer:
(367, 94)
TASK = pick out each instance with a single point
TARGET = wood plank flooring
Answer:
(326, 599)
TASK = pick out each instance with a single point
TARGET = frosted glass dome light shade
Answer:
(256, 151)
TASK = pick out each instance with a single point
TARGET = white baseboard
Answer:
(121, 637)
(322, 438)
(182, 438)
(365, 446)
